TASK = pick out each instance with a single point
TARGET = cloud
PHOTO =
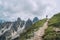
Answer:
(12, 9)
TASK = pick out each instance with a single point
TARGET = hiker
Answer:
(46, 16)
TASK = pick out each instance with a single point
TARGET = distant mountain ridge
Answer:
(13, 29)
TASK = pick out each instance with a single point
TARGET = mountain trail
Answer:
(38, 34)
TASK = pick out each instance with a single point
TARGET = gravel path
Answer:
(38, 34)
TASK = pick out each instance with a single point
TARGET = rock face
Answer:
(28, 24)
(11, 30)
(16, 24)
(35, 19)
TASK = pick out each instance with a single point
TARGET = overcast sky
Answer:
(12, 9)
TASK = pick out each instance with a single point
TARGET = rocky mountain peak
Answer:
(35, 19)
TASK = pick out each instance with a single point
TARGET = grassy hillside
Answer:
(30, 32)
(50, 33)
(55, 20)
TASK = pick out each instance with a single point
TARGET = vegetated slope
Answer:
(55, 20)
(38, 34)
(51, 33)
(30, 32)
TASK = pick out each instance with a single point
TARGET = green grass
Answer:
(51, 34)
(30, 32)
(55, 20)
(38, 24)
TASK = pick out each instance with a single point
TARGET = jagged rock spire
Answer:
(35, 19)
(28, 23)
